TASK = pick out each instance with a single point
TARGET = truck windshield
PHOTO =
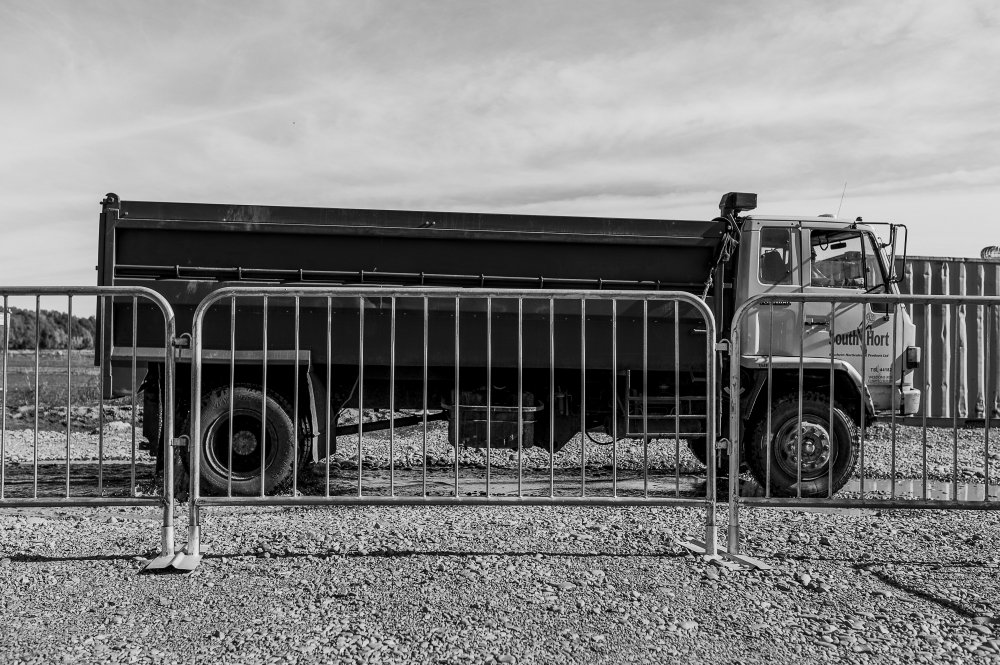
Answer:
(845, 260)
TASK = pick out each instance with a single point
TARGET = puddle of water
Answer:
(937, 490)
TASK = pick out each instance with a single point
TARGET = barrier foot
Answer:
(193, 552)
(724, 558)
(179, 562)
(744, 560)
(175, 561)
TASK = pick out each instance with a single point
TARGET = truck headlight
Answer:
(911, 358)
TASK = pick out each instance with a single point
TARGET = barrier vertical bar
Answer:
(458, 396)
(520, 390)
(645, 398)
(135, 332)
(954, 403)
(769, 442)
(989, 402)
(614, 397)
(800, 424)
(711, 404)
(3, 399)
(426, 341)
(232, 389)
(833, 344)
(295, 405)
(489, 390)
(677, 399)
(583, 396)
(104, 366)
(552, 398)
(38, 381)
(925, 397)
(263, 406)
(392, 397)
(361, 384)
(169, 390)
(329, 392)
(735, 356)
(69, 392)
(897, 311)
(193, 547)
(863, 389)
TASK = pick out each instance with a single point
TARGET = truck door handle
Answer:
(817, 321)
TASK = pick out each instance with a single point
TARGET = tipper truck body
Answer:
(186, 251)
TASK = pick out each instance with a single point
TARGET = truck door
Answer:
(845, 261)
(776, 267)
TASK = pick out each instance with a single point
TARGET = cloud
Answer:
(569, 107)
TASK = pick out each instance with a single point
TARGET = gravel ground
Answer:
(664, 458)
(910, 448)
(19, 445)
(940, 447)
(517, 585)
(502, 584)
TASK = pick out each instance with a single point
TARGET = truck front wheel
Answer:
(823, 444)
(279, 445)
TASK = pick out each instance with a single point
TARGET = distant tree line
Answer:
(53, 331)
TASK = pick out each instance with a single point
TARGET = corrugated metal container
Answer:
(957, 337)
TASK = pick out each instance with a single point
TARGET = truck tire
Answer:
(819, 448)
(698, 449)
(279, 447)
(152, 417)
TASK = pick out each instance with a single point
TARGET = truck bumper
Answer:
(910, 401)
(904, 401)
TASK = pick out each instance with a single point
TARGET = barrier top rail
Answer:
(863, 298)
(98, 291)
(448, 292)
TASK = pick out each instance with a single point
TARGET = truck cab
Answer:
(790, 349)
(828, 257)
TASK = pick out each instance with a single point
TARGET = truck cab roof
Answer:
(753, 221)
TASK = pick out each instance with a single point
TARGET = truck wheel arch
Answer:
(847, 386)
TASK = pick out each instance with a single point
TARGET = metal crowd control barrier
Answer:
(426, 354)
(908, 479)
(53, 478)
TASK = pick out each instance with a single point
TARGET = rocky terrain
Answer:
(496, 584)
(510, 585)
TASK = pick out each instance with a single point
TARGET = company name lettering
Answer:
(853, 338)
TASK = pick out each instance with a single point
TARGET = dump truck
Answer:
(186, 251)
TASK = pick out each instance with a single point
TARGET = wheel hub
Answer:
(816, 446)
(244, 443)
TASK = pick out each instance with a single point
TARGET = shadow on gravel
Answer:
(38, 558)
(867, 565)
(911, 589)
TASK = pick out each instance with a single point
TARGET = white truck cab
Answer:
(789, 351)
(828, 257)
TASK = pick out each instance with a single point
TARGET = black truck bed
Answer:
(187, 250)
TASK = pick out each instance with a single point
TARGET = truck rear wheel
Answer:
(279, 446)
(823, 445)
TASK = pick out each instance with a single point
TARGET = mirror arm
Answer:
(898, 279)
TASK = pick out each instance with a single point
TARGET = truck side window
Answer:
(841, 260)
(775, 256)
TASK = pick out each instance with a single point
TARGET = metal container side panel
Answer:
(956, 362)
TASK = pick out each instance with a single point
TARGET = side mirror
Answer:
(895, 278)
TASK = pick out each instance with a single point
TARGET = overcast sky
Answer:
(647, 109)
